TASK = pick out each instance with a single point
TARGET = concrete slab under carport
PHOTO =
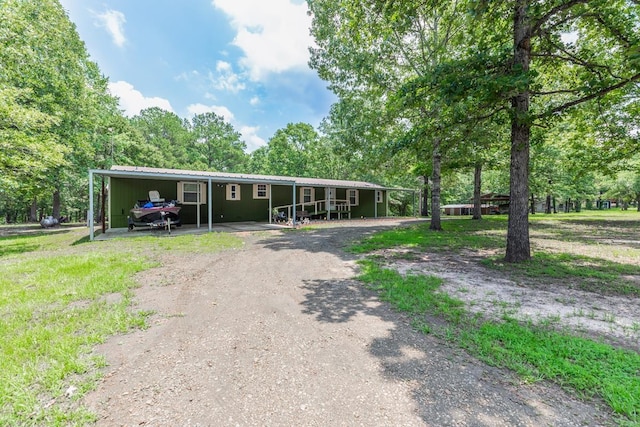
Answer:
(225, 227)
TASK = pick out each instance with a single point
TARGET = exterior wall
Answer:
(367, 205)
(125, 192)
(245, 209)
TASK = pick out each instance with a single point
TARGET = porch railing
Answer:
(316, 207)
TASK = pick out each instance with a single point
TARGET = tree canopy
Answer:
(428, 92)
(448, 64)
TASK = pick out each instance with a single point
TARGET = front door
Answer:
(330, 195)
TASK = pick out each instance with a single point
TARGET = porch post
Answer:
(209, 204)
(90, 211)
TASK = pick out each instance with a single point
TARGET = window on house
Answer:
(233, 191)
(192, 193)
(307, 194)
(353, 197)
(379, 197)
(260, 191)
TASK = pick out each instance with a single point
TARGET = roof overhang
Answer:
(135, 172)
(186, 177)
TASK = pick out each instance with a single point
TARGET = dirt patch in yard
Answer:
(279, 333)
(494, 294)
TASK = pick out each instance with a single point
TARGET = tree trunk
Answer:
(477, 188)
(425, 197)
(547, 208)
(533, 204)
(555, 210)
(56, 204)
(638, 201)
(518, 247)
(33, 211)
(435, 191)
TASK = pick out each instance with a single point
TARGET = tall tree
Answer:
(370, 52)
(217, 145)
(166, 136)
(540, 61)
(289, 148)
(53, 94)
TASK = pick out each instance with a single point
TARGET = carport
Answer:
(208, 178)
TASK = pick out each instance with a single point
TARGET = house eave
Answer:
(186, 177)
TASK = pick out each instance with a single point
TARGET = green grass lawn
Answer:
(589, 368)
(59, 297)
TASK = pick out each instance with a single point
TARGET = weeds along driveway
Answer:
(279, 333)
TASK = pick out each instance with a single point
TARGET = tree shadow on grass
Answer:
(15, 244)
(448, 387)
(597, 232)
(334, 240)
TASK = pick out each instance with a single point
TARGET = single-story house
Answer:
(216, 197)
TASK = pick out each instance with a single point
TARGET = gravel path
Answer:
(279, 334)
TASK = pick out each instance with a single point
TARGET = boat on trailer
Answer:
(155, 213)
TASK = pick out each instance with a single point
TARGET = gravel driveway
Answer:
(279, 334)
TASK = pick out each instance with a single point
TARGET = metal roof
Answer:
(159, 173)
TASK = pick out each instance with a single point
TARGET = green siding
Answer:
(245, 209)
(124, 193)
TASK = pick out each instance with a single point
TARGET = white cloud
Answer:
(222, 111)
(187, 76)
(113, 21)
(251, 138)
(226, 79)
(223, 78)
(133, 101)
(254, 101)
(274, 35)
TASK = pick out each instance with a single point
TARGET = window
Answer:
(379, 196)
(192, 193)
(233, 191)
(260, 191)
(307, 195)
(353, 197)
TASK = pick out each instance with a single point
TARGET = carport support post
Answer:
(270, 206)
(209, 205)
(103, 198)
(386, 208)
(198, 205)
(413, 205)
(375, 203)
(294, 205)
(90, 211)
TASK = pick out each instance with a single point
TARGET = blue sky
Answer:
(245, 60)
